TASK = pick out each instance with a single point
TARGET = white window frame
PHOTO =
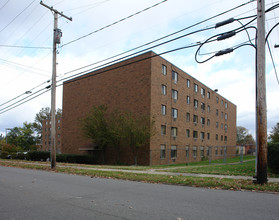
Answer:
(164, 69)
(164, 89)
(163, 151)
(174, 76)
(173, 152)
(163, 109)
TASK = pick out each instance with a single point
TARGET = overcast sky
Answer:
(85, 41)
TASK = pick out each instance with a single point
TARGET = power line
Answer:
(25, 47)
(114, 23)
(166, 36)
(5, 4)
(197, 44)
(272, 61)
(17, 16)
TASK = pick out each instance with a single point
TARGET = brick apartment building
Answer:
(191, 120)
(46, 130)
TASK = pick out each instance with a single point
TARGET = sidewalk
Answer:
(153, 171)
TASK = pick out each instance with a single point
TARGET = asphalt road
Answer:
(31, 194)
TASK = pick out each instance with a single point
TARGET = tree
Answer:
(1, 137)
(117, 129)
(274, 134)
(243, 136)
(95, 127)
(137, 131)
(44, 114)
(23, 137)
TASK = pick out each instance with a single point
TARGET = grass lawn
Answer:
(216, 183)
(241, 169)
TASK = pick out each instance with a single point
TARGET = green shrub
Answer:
(273, 157)
(38, 155)
(20, 156)
(75, 158)
(4, 154)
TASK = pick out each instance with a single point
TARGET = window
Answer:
(174, 131)
(217, 99)
(202, 135)
(173, 152)
(196, 88)
(164, 89)
(174, 95)
(226, 105)
(208, 122)
(163, 129)
(216, 137)
(208, 108)
(222, 126)
(174, 113)
(225, 138)
(208, 95)
(195, 119)
(58, 120)
(195, 152)
(202, 120)
(196, 103)
(217, 124)
(222, 114)
(58, 127)
(221, 150)
(187, 133)
(208, 136)
(222, 102)
(202, 106)
(202, 151)
(188, 99)
(163, 109)
(164, 69)
(216, 150)
(174, 76)
(163, 151)
(221, 137)
(226, 116)
(195, 134)
(202, 92)
(207, 151)
(188, 116)
(187, 151)
(217, 112)
(226, 128)
(188, 83)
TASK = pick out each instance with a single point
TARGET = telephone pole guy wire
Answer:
(56, 40)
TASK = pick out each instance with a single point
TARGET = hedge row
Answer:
(273, 157)
(64, 158)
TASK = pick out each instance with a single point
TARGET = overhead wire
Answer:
(161, 38)
(114, 23)
(17, 104)
(17, 16)
(4, 4)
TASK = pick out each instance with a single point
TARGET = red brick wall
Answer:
(121, 86)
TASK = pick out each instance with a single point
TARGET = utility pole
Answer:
(261, 121)
(56, 40)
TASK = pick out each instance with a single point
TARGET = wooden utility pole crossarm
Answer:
(56, 40)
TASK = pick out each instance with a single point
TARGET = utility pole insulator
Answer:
(276, 45)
